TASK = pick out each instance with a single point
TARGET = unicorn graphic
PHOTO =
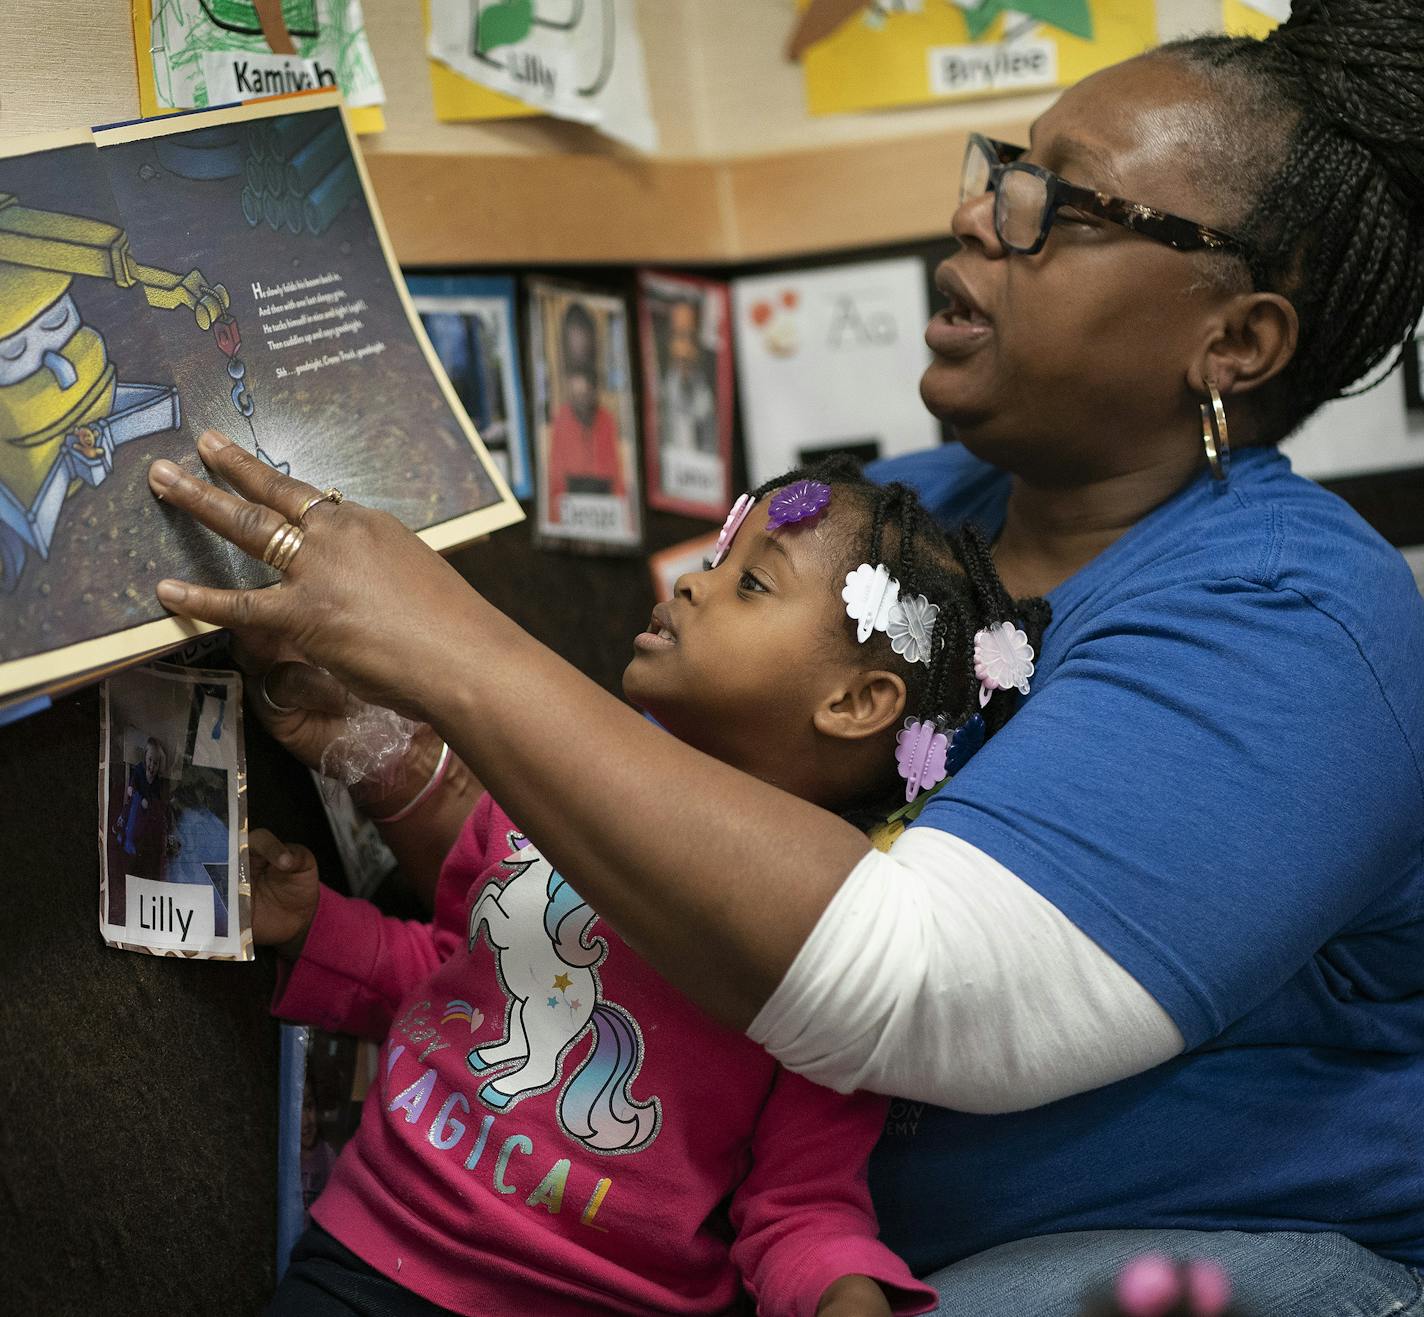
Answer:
(537, 926)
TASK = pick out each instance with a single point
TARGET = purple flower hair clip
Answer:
(798, 502)
(730, 527)
(920, 753)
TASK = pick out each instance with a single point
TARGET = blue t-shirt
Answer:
(1217, 777)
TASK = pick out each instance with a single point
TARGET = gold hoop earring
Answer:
(1216, 439)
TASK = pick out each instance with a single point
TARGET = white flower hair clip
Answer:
(730, 527)
(1003, 658)
(870, 594)
(911, 628)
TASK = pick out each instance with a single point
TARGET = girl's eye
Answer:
(751, 583)
(707, 564)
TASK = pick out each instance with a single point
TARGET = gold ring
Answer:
(332, 495)
(283, 546)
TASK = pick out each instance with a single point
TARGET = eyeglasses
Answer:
(1027, 199)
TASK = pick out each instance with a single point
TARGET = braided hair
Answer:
(951, 569)
(1335, 223)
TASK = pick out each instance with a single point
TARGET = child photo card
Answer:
(470, 321)
(685, 331)
(583, 419)
(172, 813)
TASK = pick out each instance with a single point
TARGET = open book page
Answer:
(232, 263)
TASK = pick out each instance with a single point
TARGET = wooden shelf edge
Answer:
(577, 209)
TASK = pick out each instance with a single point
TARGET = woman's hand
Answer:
(285, 888)
(362, 597)
(853, 1296)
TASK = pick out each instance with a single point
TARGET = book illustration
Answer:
(63, 410)
(221, 270)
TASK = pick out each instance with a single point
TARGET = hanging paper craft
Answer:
(223, 269)
(172, 807)
(196, 53)
(909, 52)
(582, 62)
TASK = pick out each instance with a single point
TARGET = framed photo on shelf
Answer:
(470, 322)
(584, 426)
(685, 333)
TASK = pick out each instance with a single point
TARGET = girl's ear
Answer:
(863, 708)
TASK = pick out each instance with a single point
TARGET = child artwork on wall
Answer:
(583, 419)
(685, 333)
(173, 844)
(470, 323)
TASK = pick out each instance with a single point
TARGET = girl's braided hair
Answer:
(1318, 143)
(952, 569)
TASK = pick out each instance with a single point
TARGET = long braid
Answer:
(1338, 225)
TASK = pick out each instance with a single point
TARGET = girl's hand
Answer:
(285, 888)
(853, 1296)
(362, 597)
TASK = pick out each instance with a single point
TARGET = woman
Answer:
(1150, 971)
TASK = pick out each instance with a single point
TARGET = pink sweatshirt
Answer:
(557, 1131)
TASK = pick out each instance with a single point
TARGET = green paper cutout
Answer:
(1072, 16)
(505, 24)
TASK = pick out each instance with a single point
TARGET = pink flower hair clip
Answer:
(1003, 658)
(800, 501)
(730, 527)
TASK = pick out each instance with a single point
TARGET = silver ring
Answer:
(269, 701)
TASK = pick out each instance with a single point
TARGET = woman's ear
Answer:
(1253, 340)
(864, 707)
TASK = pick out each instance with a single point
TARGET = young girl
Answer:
(555, 1130)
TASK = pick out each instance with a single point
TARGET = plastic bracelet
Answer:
(421, 796)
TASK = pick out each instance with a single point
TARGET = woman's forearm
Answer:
(714, 877)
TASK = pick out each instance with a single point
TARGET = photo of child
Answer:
(583, 412)
(470, 324)
(173, 878)
(685, 333)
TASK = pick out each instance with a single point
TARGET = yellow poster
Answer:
(1253, 18)
(912, 52)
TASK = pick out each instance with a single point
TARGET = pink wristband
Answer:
(436, 778)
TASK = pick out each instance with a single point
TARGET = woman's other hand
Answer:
(285, 888)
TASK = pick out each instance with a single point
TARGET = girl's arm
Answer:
(806, 1232)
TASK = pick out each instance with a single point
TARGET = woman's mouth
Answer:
(961, 327)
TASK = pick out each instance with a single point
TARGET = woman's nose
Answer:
(973, 222)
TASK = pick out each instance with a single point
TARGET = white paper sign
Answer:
(1354, 436)
(577, 59)
(830, 359)
(1277, 9)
